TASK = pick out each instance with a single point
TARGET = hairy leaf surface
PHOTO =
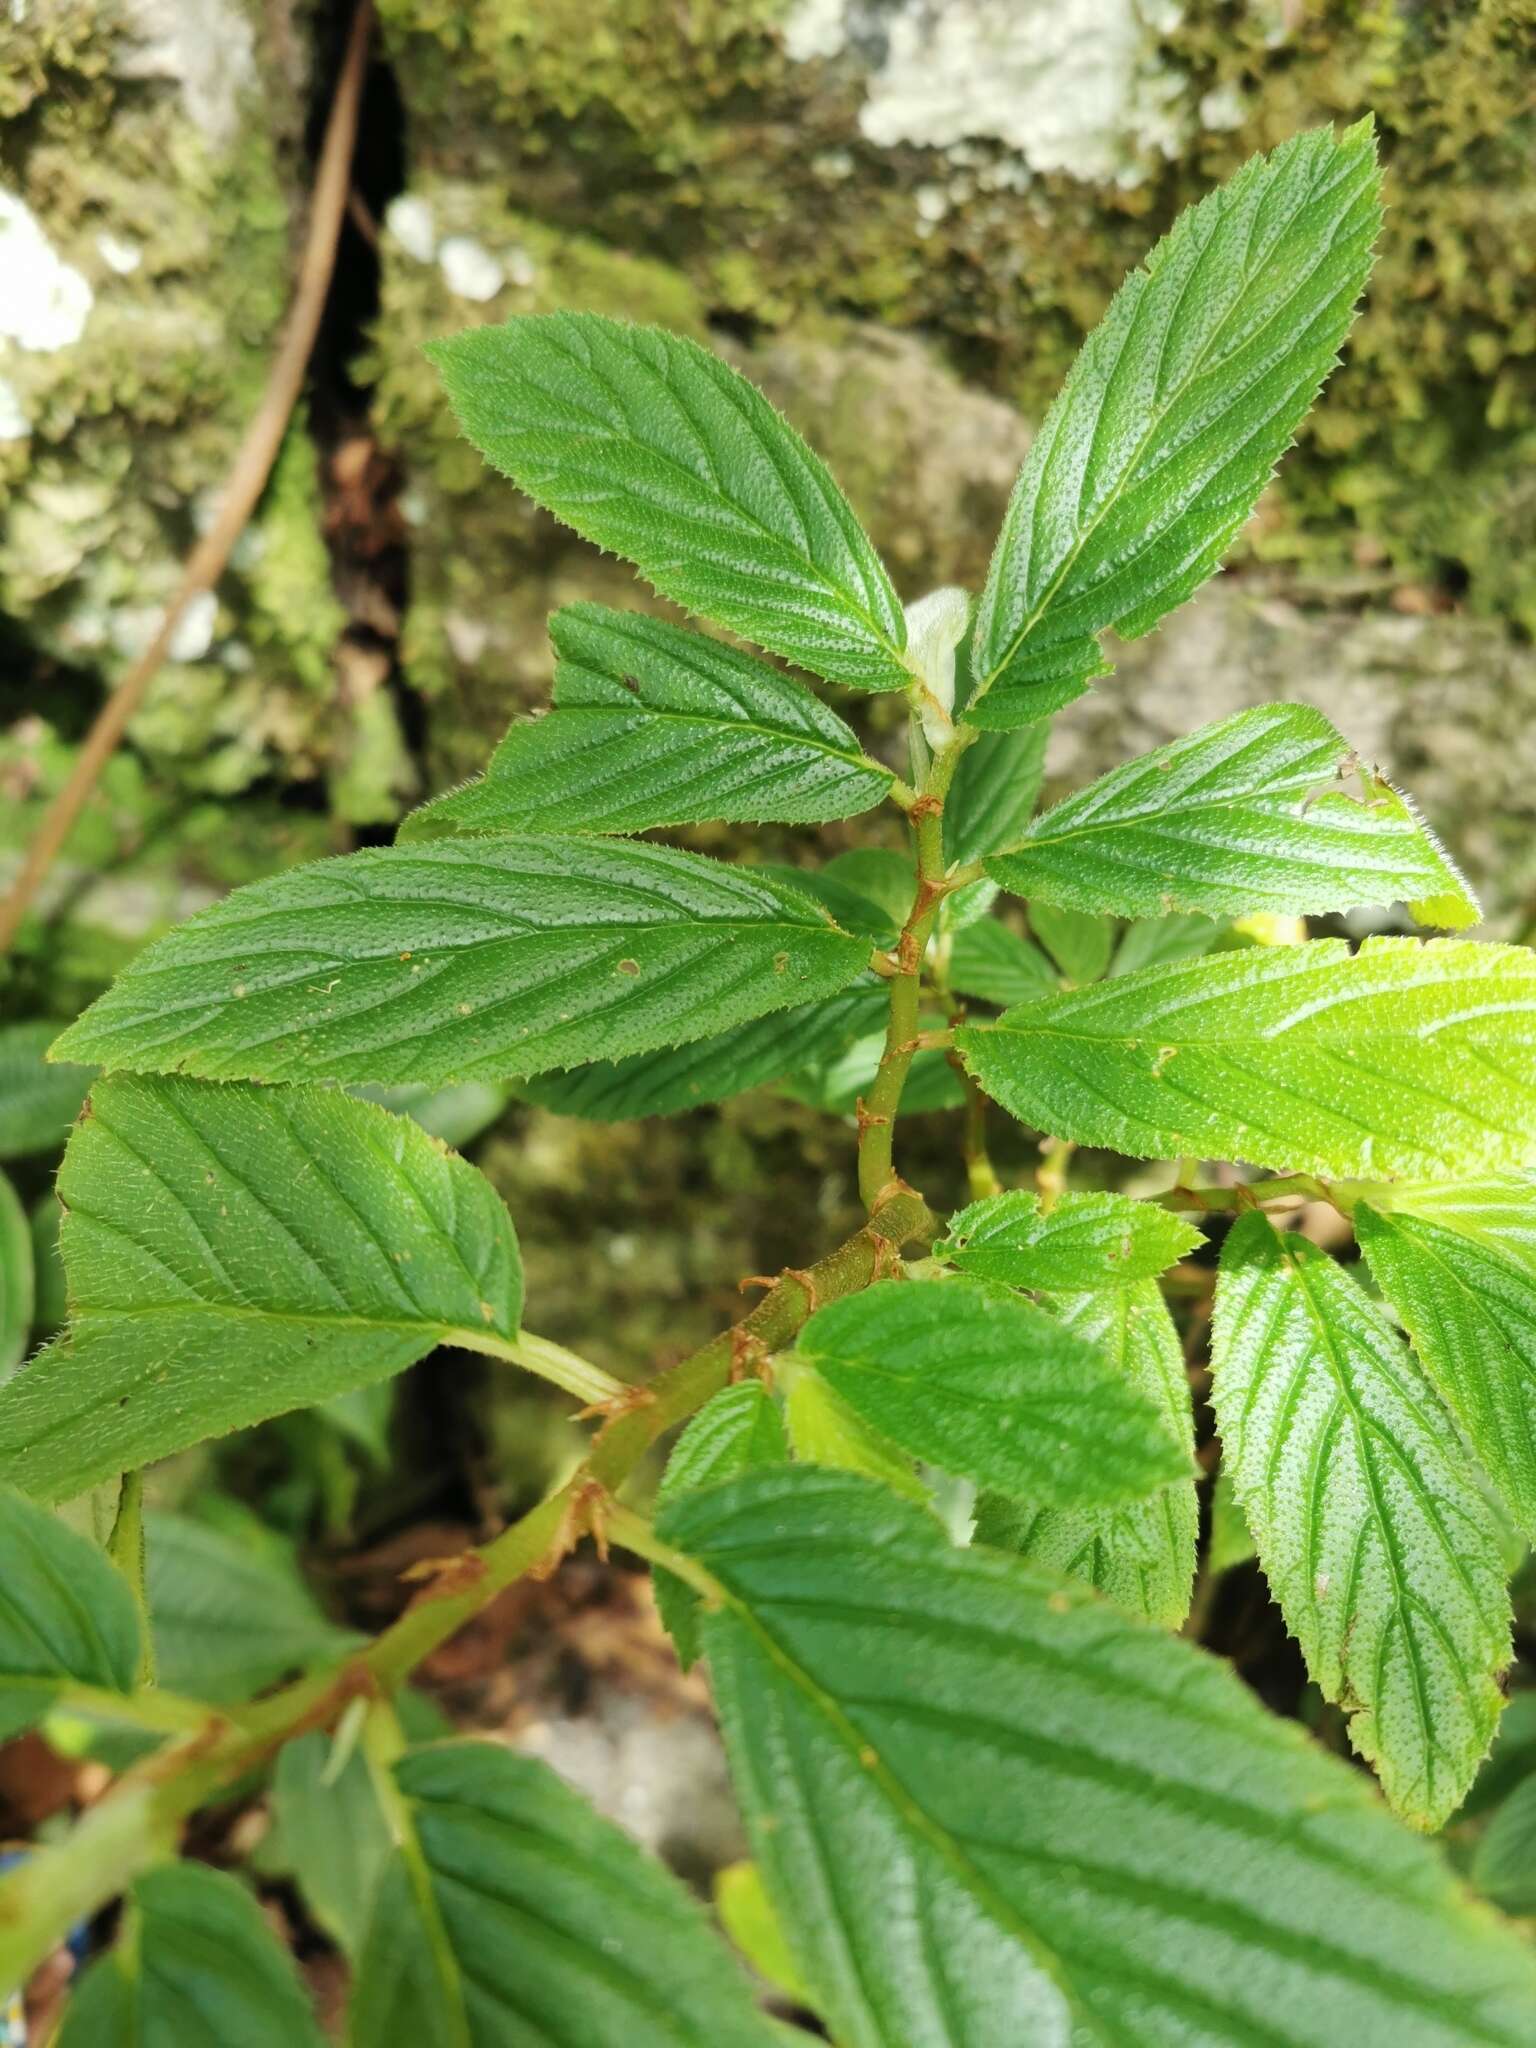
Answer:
(1237, 818)
(65, 1613)
(1458, 1263)
(510, 1913)
(654, 725)
(1141, 1555)
(1172, 419)
(991, 1809)
(195, 1965)
(994, 792)
(456, 960)
(1404, 1058)
(1081, 1241)
(233, 1253)
(650, 445)
(993, 1388)
(689, 1076)
(1370, 1525)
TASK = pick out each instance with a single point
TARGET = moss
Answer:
(690, 136)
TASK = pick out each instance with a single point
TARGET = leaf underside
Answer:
(1372, 1530)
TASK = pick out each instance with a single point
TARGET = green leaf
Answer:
(1504, 1862)
(649, 445)
(1458, 1263)
(332, 1835)
(993, 1389)
(990, 1809)
(825, 1430)
(195, 1965)
(1405, 1057)
(989, 961)
(231, 1614)
(1370, 1525)
(18, 1284)
(1142, 1555)
(457, 1115)
(1151, 941)
(65, 1613)
(653, 725)
(1082, 1241)
(993, 795)
(1179, 405)
(735, 1431)
(1236, 818)
(234, 1253)
(38, 1102)
(1231, 1540)
(689, 1076)
(834, 1082)
(844, 904)
(1080, 945)
(510, 1914)
(475, 959)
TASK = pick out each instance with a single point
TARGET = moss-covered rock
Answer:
(146, 216)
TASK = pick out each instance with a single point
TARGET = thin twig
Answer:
(246, 481)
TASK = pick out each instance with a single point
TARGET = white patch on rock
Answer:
(410, 222)
(44, 302)
(817, 28)
(194, 629)
(14, 424)
(122, 256)
(470, 271)
(1070, 85)
(205, 47)
(1222, 108)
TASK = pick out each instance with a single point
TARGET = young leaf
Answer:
(38, 1102)
(65, 1614)
(18, 1281)
(1172, 419)
(1370, 1525)
(236, 1252)
(1083, 1241)
(195, 1965)
(511, 1913)
(229, 1616)
(989, 961)
(1405, 1057)
(994, 792)
(735, 1431)
(689, 1076)
(1141, 1555)
(455, 960)
(746, 1913)
(989, 1809)
(1458, 1264)
(649, 445)
(331, 1835)
(993, 1389)
(1235, 819)
(653, 725)
(1079, 944)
